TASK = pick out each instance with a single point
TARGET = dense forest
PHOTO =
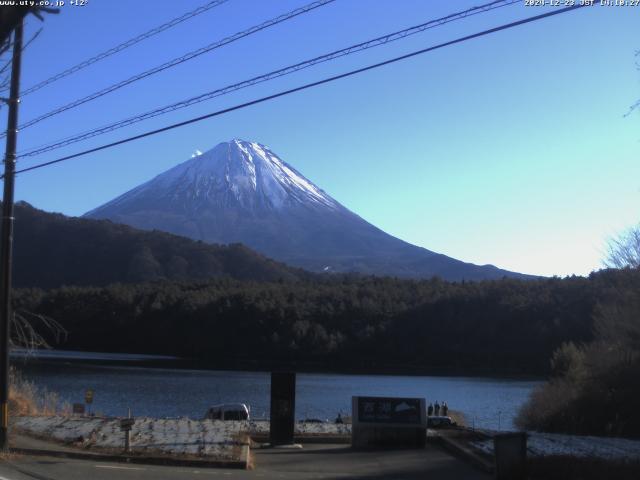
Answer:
(339, 322)
(52, 250)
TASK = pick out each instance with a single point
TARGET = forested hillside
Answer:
(339, 322)
(52, 250)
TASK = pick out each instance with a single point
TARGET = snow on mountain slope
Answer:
(245, 172)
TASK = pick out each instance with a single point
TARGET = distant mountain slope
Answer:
(52, 250)
(242, 192)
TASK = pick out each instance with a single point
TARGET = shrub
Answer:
(594, 388)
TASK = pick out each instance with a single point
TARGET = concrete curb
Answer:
(465, 453)
(243, 463)
(317, 438)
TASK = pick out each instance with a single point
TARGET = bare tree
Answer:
(624, 250)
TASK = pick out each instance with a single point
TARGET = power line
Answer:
(304, 87)
(382, 40)
(118, 48)
(179, 60)
(6, 81)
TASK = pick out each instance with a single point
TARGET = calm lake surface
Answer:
(171, 392)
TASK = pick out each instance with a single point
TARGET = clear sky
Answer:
(512, 149)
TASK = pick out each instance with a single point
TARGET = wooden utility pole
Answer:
(6, 239)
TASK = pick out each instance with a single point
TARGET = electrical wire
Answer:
(306, 86)
(382, 40)
(177, 61)
(118, 48)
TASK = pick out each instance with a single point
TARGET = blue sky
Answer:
(512, 149)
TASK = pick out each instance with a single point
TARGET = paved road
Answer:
(312, 462)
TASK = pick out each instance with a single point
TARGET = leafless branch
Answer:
(30, 330)
(624, 250)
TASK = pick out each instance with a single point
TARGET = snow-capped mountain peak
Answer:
(237, 172)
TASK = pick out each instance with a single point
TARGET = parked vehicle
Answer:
(228, 411)
(440, 421)
(313, 420)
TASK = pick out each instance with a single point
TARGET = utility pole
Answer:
(6, 240)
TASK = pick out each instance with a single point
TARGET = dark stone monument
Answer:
(511, 455)
(283, 406)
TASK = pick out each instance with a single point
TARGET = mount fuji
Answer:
(242, 192)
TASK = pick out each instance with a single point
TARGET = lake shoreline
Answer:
(159, 389)
(165, 361)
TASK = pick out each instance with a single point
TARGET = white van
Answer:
(228, 411)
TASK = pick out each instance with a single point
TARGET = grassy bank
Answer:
(25, 398)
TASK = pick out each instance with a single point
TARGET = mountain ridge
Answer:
(52, 250)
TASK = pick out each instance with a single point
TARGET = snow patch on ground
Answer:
(179, 436)
(304, 428)
(210, 438)
(547, 444)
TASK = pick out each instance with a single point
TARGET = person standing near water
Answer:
(436, 408)
(445, 409)
(430, 410)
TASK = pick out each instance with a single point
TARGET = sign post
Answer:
(88, 399)
(126, 424)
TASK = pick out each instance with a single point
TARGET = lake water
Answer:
(171, 392)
